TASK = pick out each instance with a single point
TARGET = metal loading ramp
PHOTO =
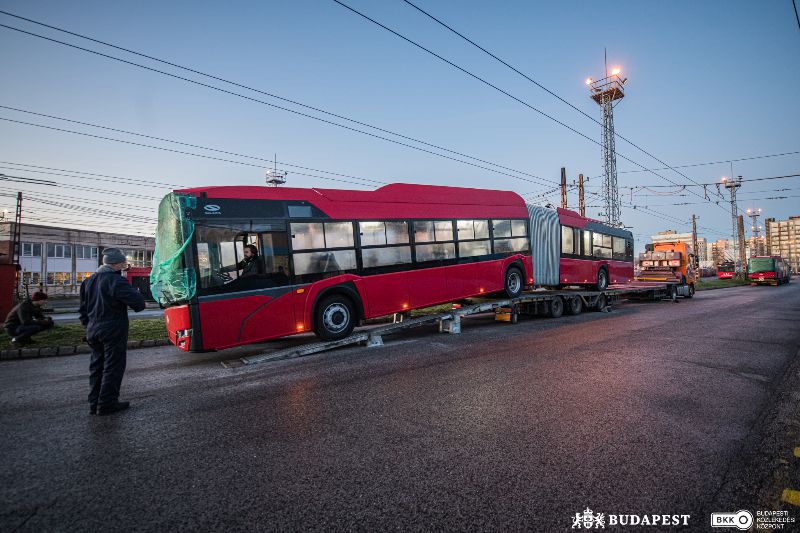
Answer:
(449, 322)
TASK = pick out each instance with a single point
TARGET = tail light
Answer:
(182, 338)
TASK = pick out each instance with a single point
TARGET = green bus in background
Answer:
(768, 270)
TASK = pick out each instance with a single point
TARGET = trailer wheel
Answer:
(513, 282)
(602, 279)
(334, 318)
(556, 307)
(601, 303)
(574, 305)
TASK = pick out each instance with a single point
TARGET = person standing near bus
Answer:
(105, 298)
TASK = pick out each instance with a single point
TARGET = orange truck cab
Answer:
(668, 262)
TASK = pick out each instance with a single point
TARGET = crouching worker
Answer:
(26, 319)
(105, 298)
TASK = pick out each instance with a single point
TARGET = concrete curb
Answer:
(60, 351)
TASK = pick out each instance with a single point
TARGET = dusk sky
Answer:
(707, 81)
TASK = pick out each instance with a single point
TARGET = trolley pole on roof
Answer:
(605, 92)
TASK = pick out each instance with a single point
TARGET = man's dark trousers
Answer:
(23, 333)
(109, 356)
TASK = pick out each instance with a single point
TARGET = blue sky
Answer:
(708, 81)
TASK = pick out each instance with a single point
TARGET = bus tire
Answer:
(334, 317)
(574, 305)
(556, 307)
(514, 282)
(602, 279)
(601, 303)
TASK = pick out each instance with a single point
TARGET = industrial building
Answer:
(57, 260)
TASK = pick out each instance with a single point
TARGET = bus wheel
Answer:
(513, 283)
(602, 279)
(334, 318)
(691, 291)
(556, 307)
(574, 305)
(601, 303)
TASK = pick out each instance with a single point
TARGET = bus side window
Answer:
(567, 241)
(275, 257)
(587, 243)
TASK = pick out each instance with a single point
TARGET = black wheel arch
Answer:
(518, 264)
(348, 289)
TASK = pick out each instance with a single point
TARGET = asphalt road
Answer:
(647, 410)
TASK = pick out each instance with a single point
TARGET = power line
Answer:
(91, 176)
(172, 150)
(711, 184)
(530, 79)
(707, 163)
(283, 108)
(271, 161)
(495, 87)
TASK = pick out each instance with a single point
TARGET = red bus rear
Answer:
(328, 258)
(726, 270)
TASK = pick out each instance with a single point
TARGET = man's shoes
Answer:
(113, 408)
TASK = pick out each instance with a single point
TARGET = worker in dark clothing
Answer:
(251, 264)
(105, 298)
(26, 319)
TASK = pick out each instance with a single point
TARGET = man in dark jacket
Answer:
(105, 298)
(26, 319)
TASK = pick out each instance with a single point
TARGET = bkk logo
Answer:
(591, 520)
(740, 519)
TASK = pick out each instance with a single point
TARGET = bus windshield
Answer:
(761, 264)
(171, 280)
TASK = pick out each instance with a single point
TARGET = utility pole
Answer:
(605, 92)
(756, 229)
(581, 201)
(732, 185)
(694, 244)
(563, 188)
(17, 245)
(742, 256)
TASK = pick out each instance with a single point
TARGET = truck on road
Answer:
(669, 262)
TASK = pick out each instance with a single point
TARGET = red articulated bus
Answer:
(328, 258)
(726, 270)
(569, 249)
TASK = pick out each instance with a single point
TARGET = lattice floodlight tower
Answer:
(606, 92)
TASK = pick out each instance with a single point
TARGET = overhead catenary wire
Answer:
(181, 143)
(162, 148)
(534, 177)
(495, 87)
(530, 79)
